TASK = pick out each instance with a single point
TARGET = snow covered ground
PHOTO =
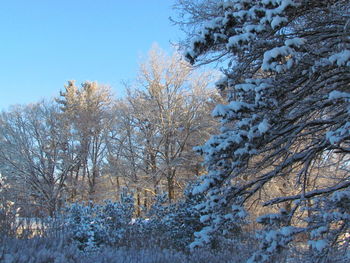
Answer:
(56, 251)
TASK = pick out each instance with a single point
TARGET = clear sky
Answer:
(44, 43)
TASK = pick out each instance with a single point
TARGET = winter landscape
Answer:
(233, 148)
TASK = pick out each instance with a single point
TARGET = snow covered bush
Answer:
(92, 226)
(117, 219)
(84, 226)
(285, 129)
(172, 225)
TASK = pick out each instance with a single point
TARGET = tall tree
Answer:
(168, 110)
(287, 82)
(87, 112)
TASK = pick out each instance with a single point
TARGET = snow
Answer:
(318, 231)
(241, 151)
(239, 211)
(245, 86)
(287, 231)
(319, 245)
(212, 23)
(254, 28)
(238, 40)
(220, 110)
(204, 218)
(335, 137)
(204, 235)
(341, 196)
(290, 63)
(341, 58)
(295, 42)
(240, 14)
(276, 52)
(271, 235)
(263, 126)
(335, 94)
(277, 21)
(238, 105)
(234, 106)
(273, 54)
(218, 36)
(201, 188)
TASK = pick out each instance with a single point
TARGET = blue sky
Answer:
(44, 43)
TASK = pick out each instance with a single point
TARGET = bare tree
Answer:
(88, 116)
(168, 110)
(33, 155)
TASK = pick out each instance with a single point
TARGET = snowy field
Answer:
(41, 250)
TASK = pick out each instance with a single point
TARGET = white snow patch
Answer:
(263, 126)
(204, 186)
(335, 137)
(245, 86)
(277, 21)
(220, 110)
(238, 40)
(287, 231)
(295, 42)
(319, 245)
(341, 58)
(338, 95)
(273, 54)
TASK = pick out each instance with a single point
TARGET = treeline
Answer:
(86, 145)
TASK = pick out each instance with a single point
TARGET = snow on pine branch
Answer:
(287, 115)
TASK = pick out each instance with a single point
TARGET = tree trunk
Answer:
(170, 189)
(138, 209)
(145, 200)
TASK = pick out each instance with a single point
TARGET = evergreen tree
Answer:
(287, 117)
